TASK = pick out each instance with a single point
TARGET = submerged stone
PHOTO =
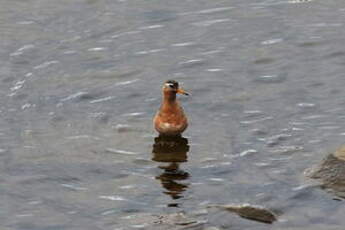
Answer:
(251, 212)
(171, 221)
(177, 219)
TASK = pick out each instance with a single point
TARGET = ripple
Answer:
(135, 114)
(121, 128)
(208, 160)
(46, 64)
(256, 120)
(18, 85)
(296, 129)
(215, 70)
(262, 164)
(271, 78)
(129, 217)
(192, 63)
(183, 44)
(306, 105)
(276, 139)
(272, 41)
(327, 25)
(210, 22)
(215, 10)
(247, 152)
(101, 99)
(25, 215)
(100, 116)
(108, 212)
(70, 52)
(73, 96)
(22, 49)
(253, 113)
(156, 26)
(120, 198)
(113, 198)
(312, 117)
(126, 82)
(126, 33)
(209, 11)
(216, 179)
(197, 183)
(139, 225)
(297, 123)
(35, 202)
(27, 105)
(157, 16)
(73, 187)
(97, 49)
(264, 61)
(141, 161)
(315, 141)
(77, 137)
(149, 51)
(211, 52)
(130, 186)
(118, 151)
(281, 158)
(259, 132)
(208, 166)
(288, 149)
(303, 187)
(329, 127)
(299, 1)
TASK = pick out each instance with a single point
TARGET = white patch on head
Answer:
(169, 84)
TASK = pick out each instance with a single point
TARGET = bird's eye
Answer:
(170, 85)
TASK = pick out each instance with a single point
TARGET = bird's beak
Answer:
(182, 91)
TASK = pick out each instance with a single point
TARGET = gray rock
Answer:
(331, 172)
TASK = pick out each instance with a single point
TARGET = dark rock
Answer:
(251, 212)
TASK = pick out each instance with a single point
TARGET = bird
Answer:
(170, 119)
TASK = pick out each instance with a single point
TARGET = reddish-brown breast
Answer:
(170, 119)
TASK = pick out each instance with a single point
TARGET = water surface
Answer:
(80, 83)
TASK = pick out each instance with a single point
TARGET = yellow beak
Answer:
(182, 91)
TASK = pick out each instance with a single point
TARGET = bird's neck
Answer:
(169, 98)
(169, 101)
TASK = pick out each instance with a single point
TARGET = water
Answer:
(80, 83)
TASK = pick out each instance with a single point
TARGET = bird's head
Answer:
(171, 87)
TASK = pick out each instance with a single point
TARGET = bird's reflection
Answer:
(171, 151)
